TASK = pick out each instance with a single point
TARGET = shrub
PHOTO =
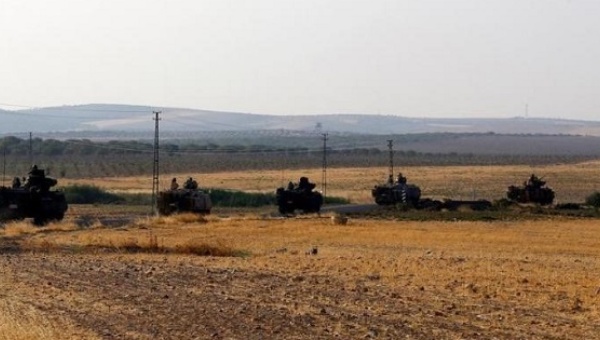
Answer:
(233, 198)
(593, 200)
(203, 249)
(136, 199)
(335, 200)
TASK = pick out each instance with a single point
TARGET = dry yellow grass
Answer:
(22, 321)
(172, 220)
(19, 228)
(551, 256)
(25, 227)
(539, 265)
(552, 237)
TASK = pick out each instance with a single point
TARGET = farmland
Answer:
(250, 275)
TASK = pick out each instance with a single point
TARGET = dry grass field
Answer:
(247, 276)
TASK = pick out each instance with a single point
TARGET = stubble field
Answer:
(308, 277)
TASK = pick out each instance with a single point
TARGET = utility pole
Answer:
(391, 147)
(155, 170)
(324, 174)
(30, 150)
(3, 164)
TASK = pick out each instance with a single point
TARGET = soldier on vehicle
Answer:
(174, 184)
(305, 185)
(290, 185)
(16, 183)
(401, 179)
(35, 181)
(190, 183)
(35, 172)
(534, 181)
(391, 179)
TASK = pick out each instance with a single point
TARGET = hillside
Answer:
(100, 118)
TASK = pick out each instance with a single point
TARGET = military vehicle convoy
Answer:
(33, 199)
(186, 199)
(532, 191)
(299, 197)
(399, 192)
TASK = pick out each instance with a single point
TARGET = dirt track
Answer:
(158, 297)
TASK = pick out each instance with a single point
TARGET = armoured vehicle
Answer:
(33, 199)
(396, 192)
(532, 191)
(183, 200)
(301, 197)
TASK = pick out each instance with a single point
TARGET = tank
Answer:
(33, 199)
(396, 192)
(299, 197)
(183, 200)
(532, 191)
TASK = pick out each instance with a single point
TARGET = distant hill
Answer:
(129, 118)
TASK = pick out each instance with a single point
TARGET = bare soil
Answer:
(137, 296)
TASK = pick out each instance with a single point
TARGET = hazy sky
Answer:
(420, 58)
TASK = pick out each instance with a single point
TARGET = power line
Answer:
(148, 149)
(106, 147)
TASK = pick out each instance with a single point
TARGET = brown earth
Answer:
(180, 299)
(405, 280)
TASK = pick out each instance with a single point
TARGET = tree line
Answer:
(86, 158)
